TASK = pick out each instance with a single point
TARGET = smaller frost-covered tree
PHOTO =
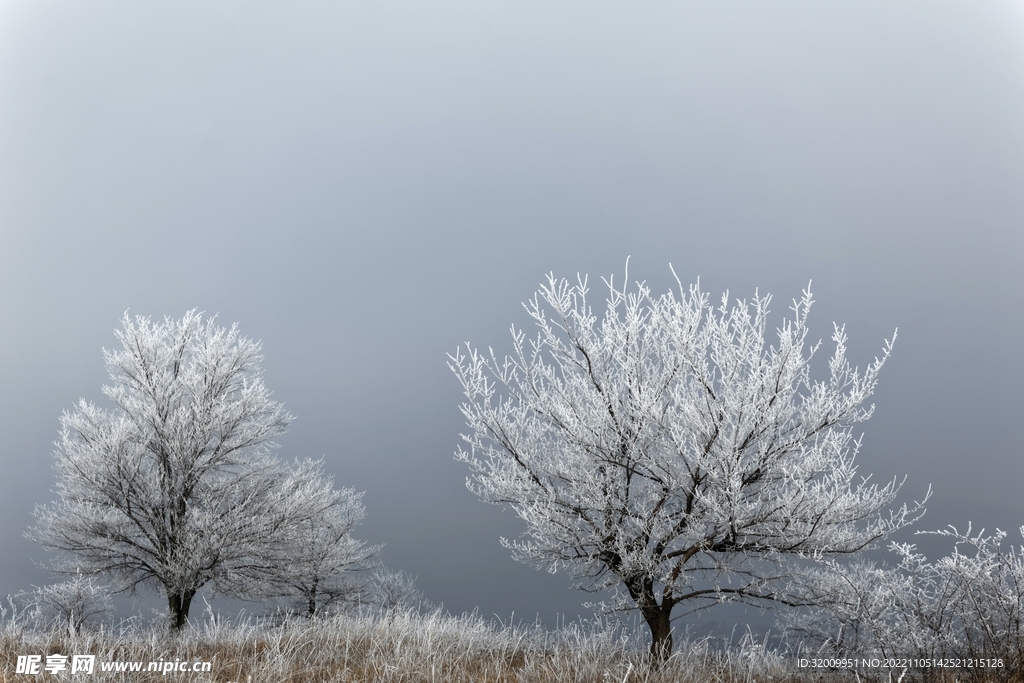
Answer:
(394, 589)
(320, 566)
(669, 450)
(71, 605)
(175, 486)
(968, 604)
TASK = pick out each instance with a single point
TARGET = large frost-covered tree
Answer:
(175, 486)
(668, 451)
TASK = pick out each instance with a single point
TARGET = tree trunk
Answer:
(659, 621)
(177, 608)
(658, 617)
(311, 597)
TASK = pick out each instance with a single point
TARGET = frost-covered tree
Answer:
(668, 451)
(322, 567)
(71, 604)
(175, 485)
(391, 590)
(967, 604)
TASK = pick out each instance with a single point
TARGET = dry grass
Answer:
(402, 647)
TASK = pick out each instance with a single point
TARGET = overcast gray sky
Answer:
(365, 185)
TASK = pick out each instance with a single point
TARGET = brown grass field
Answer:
(408, 647)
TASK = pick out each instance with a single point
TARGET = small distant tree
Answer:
(395, 589)
(322, 567)
(967, 604)
(71, 604)
(666, 450)
(175, 485)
